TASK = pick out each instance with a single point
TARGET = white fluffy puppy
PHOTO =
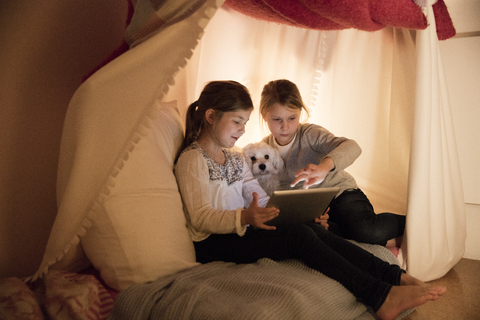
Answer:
(266, 165)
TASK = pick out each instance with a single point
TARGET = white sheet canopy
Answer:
(384, 89)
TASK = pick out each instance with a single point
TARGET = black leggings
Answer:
(352, 217)
(366, 276)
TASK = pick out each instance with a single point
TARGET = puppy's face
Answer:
(262, 158)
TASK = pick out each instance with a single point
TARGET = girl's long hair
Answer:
(221, 96)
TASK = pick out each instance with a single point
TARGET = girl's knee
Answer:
(295, 228)
(369, 235)
(298, 232)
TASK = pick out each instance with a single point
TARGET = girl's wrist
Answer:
(243, 217)
(328, 164)
(240, 226)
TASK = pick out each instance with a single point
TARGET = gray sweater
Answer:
(313, 143)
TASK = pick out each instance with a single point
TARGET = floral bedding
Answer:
(58, 295)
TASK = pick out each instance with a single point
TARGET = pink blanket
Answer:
(368, 15)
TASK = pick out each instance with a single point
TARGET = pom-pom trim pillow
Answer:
(138, 232)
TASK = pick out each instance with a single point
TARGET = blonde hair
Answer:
(221, 96)
(283, 92)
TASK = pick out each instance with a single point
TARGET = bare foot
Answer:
(401, 298)
(408, 280)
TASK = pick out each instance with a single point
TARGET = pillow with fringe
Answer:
(139, 233)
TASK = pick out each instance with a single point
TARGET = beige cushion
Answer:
(138, 232)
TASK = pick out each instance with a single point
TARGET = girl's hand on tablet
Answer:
(323, 219)
(257, 216)
(313, 174)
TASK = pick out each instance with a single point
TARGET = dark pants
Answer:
(352, 217)
(366, 276)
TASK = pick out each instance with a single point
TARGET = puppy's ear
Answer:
(245, 151)
(246, 148)
(277, 160)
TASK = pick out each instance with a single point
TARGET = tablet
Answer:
(300, 205)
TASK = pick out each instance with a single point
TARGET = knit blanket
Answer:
(368, 15)
(262, 290)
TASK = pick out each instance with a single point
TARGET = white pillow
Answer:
(139, 232)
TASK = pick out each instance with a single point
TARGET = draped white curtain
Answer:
(106, 120)
(436, 227)
(252, 52)
(363, 85)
